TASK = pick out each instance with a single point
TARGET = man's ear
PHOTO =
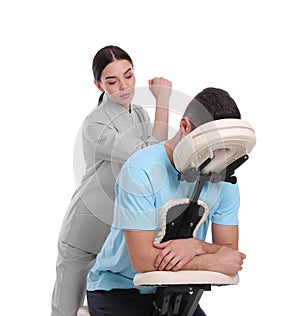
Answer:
(185, 126)
(98, 85)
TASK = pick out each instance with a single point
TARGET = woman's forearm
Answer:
(161, 122)
(161, 89)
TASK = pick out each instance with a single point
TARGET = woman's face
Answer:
(118, 82)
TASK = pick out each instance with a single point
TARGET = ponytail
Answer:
(100, 98)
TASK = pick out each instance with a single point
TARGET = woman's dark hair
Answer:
(211, 104)
(104, 57)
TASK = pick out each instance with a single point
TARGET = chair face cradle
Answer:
(212, 152)
(223, 141)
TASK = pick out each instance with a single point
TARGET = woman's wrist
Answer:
(162, 103)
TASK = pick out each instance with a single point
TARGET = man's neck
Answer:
(170, 146)
(169, 152)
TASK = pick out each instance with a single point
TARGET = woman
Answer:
(111, 133)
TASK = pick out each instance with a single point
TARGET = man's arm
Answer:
(143, 253)
(224, 260)
(225, 235)
(186, 254)
(176, 253)
(140, 249)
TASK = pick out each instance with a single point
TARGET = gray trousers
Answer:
(72, 267)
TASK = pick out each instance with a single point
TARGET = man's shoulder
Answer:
(145, 156)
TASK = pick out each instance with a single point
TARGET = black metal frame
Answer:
(170, 298)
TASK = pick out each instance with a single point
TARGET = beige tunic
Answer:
(110, 135)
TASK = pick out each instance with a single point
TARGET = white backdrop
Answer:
(249, 48)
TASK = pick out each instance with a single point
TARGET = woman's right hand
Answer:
(161, 89)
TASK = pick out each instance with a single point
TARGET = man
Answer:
(147, 181)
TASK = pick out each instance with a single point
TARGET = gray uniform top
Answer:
(110, 135)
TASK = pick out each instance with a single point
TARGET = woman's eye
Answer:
(128, 77)
(112, 82)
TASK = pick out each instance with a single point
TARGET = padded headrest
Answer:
(223, 141)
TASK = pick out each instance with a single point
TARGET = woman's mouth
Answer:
(126, 95)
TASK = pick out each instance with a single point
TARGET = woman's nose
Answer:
(123, 85)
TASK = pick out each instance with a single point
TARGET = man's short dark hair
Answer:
(209, 105)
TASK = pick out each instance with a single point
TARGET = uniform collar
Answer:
(114, 107)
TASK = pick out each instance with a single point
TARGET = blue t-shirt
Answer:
(146, 182)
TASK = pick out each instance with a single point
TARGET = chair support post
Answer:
(169, 299)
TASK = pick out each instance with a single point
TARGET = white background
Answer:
(250, 48)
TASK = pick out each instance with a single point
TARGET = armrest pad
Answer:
(157, 278)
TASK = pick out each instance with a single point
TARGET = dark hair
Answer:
(211, 104)
(104, 57)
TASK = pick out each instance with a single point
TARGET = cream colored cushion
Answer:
(83, 311)
(160, 232)
(222, 140)
(158, 278)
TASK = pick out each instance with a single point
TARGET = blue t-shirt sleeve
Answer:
(135, 201)
(227, 211)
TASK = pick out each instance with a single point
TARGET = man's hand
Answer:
(225, 260)
(191, 254)
(176, 253)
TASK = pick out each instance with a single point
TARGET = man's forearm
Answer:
(210, 248)
(224, 260)
(201, 262)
